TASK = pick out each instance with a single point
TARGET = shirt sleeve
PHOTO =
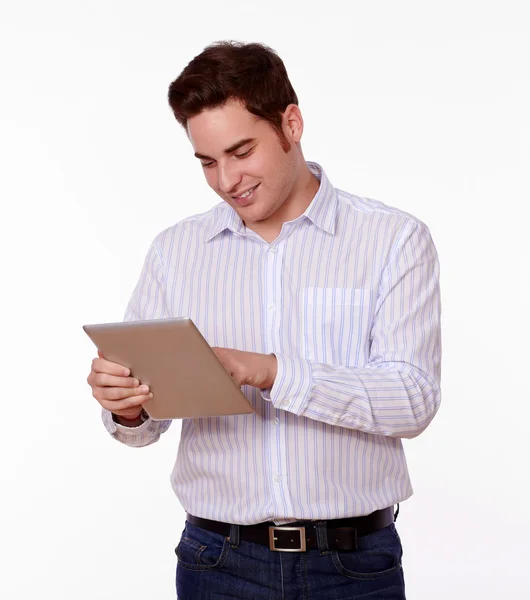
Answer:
(147, 433)
(147, 302)
(397, 393)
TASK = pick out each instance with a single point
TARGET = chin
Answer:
(255, 213)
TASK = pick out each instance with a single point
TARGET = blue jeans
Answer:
(212, 567)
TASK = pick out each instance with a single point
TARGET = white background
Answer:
(421, 105)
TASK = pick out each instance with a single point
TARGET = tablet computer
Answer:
(177, 363)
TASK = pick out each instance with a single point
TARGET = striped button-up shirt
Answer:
(347, 298)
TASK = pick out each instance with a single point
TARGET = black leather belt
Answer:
(341, 534)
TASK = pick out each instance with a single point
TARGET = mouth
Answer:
(246, 197)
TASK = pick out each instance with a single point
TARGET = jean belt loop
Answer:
(234, 536)
(322, 535)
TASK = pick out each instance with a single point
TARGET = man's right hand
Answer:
(115, 390)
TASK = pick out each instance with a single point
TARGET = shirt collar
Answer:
(322, 211)
(224, 217)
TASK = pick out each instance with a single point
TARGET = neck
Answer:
(300, 198)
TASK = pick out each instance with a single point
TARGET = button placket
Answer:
(272, 325)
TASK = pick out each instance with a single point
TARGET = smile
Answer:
(247, 194)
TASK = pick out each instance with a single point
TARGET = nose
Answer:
(229, 177)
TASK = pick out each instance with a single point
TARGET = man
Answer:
(325, 308)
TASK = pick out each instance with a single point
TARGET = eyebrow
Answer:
(229, 150)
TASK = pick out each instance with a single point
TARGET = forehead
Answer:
(215, 129)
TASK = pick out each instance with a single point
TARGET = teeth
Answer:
(246, 194)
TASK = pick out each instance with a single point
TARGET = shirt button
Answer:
(271, 307)
(274, 250)
(277, 478)
(276, 421)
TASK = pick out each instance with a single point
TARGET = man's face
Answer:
(243, 160)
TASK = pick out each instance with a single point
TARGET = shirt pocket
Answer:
(333, 323)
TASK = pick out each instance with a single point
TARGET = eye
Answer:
(207, 165)
(245, 154)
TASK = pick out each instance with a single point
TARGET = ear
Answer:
(293, 123)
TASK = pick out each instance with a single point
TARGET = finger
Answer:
(106, 380)
(218, 351)
(129, 413)
(102, 365)
(237, 377)
(115, 405)
(119, 393)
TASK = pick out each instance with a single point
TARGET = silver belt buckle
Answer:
(273, 539)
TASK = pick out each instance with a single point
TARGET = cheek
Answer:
(281, 175)
(253, 166)
(211, 178)
(277, 167)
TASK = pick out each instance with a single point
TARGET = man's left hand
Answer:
(249, 368)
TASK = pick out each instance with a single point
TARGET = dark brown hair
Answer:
(251, 73)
